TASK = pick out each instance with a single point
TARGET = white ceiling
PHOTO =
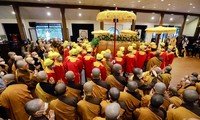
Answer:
(166, 5)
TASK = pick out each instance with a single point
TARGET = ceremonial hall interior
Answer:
(99, 59)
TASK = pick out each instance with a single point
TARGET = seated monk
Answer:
(113, 94)
(100, 87)
(44, 90)
(36, 108)
(166, 76)
(116, 80)
(153, 112)
(14, 98)
(154, 61)
(174, 97)
(131, 99)
(64, 107)
(73, 89)
(112, 112)
(186, 110)
(89, 107)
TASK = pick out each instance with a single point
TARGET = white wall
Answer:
(190, 27)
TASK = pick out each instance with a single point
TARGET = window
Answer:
(112, 29)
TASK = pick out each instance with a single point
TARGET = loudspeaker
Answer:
(32, 24)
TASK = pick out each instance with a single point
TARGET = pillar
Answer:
(101, 23)
(197, 31)
(160, 24)
(64, 26)
(182, 28)
(133, 24)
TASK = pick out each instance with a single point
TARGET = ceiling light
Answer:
(13, 12)
(79, 14)
(193, 7)
(171, 19)
(154, 7)
(153, 12)
(79, 8)
(172, 14)
(152, 18)
(169, 4)
(114, 4)
(187, 20)
(47, 7)
(162, 0)
(48, 13)
(11, 5)
(79, 2)
(188, 11)
(143, 6)
(167, 8)
(38, 0)
(139, 1)
(190, 3)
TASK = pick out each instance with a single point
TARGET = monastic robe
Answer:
(66, 52)
(99, 91)
(75, 65)
(51, 75)
(130, 63)
(150, 55)
(141, 59)
(176, 101)
(170, 58)
(63, 111)
(166, 77)
(180, 113)
(60, 71)
(164, 57)
(107, 67)
(120, 60)
(113, 82)
(40, 93)
(144, 113)
(87, 110)
(102, 68)
(72, 92)
(131, 103)
(88, 61)
(152, 62)
(98, 118)
(14, 97)
(198, 87)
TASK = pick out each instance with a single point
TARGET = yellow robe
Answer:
(145, 113)
(114, 83)
(198, 87)
(180, 113)
(108, 69)
(43, 95)
(152, 62)
(98, 118)
(88, 111)
(131, 103)
(176, 101)
(99, 91)
(166, 79)
(71, 92)
(14, 97)
(63, 111)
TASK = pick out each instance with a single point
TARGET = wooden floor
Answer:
(182, 67)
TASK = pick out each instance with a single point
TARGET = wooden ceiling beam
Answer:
(71, 6)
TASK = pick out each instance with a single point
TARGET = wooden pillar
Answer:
(64, 26)
(19, 22)
(197, 31)
(101, 23)
(133, 24)
(182, 28)
(161, 23)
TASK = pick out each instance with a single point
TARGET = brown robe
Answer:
(114, 83)
(71, 92)
(166, 78)
(14, 97)
(152, 62)
(176, 101)
(107, 67)
(99, 91)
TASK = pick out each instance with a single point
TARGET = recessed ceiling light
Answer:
(79, 2)
(169, 4)
(153, 12)
(171, 19)
(79, 14)
(167, 8)
(143, 6)
(79, 8)
(193, 7)
(172, 14)
(154, 7)
(153, 18)
(48, 13)
(47, 7)
(38, 0)
(11, 5)
(114, 4)
(188, 11)
(190, 3)
(187, 20)
(139, 1)
(162, 0)
(13, 12)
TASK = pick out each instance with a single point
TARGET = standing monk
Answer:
(141, 57)
(163, 55)
(155, 61)
(14, 98)
(107, 64)
(120, 59)
(170, 55)
(59, 69)
(49, 64)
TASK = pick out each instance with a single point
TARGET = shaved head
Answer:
(190, 96)
(157, 100)
(21, 63)
(88, 88)
(107, 56)
(96, 73)
(33, 106)
(132, 86)
(70, 76)
(160, 88)
(173, 91)
(112, 111)
(42, 76)
(117, 68)
(114, 93)
(8, 78)
(168, 69)
(158, 52)
(137, 71)
(60, 89)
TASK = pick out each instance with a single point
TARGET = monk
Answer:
(59, 70)
(26, 76)
(166, 76)
(141, 57)
(116, 80)
(11, 61)
(153, 112)
(44, 90)
(107, 64)
(170, 55)
(119, 59)
(154, 61)
(73, 89)
(100, 88)
(66, 49)
(135, 52)
(49, 64)
(89, 107)
(98, 64)
(174, 97)
(152, 52)
(130, 98)
(163, 55)
(36, 108)
(64, 107)
(14, 98)
(87, 61)
(186, 110)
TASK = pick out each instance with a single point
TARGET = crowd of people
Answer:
(70, 81)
